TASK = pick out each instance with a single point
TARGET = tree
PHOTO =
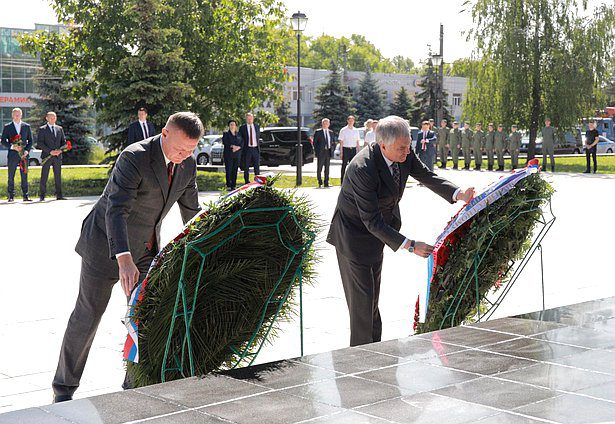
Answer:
(404, 65)
(333, 101)
(73, 116)
(426, 98)
(402, 104)
(283, 113)
(539, 63)
(369, 99)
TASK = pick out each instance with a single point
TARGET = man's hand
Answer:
(16, 147)
(467, 195)
(56, 152)
(129, 274)
(420, 249)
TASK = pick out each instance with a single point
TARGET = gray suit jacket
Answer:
(367, 214)
(135, 201)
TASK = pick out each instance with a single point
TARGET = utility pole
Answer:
(441, 77)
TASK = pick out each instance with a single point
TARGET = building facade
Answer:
(18, 72)
(311, 79)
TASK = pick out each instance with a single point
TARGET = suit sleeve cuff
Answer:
(121, 254)
(455, 194)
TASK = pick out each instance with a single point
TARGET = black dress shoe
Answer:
(61, 198)
(41, 199)
(62, 398)
(11, 199)
(26, 199)
(328, 185)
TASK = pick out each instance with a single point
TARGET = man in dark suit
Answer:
(140, 129)
(50, 139)
(426, 145)
(250, 134)
(324, 143)
(9, 131)
(120, 236)
(367, 217)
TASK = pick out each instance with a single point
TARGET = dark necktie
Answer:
(396, 177)
(145, 133)
(170, 173)
(251, 137)
(53, 130)
(327, 137)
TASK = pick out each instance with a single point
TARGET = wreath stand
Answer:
(185, 302)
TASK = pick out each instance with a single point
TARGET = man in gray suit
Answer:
(367, 217)
(50, 139)
(120, 236)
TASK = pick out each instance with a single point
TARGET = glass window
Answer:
(456, 99)
(6, 85)
(29, 86)
(19, 85)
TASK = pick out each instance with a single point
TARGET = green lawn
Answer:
(606, 164)
(91, 182)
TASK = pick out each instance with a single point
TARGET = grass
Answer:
(91, 182)
(606, 164)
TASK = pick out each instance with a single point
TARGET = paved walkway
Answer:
(41, 269)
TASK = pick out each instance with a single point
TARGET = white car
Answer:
(604, 145)
(34, 158)
(202, 153)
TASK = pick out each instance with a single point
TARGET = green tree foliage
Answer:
(402, 105)
(283, 113)
(545, 58)
(404, 65)
(425, 104)
(73, 115)
(218, 59)
(369, 99)
(333, 101)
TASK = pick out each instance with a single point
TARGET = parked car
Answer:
(202, 153)
(571, 143)
(604, 145)
(278, 147)
(34, 158)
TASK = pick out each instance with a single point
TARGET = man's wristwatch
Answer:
(411, 247)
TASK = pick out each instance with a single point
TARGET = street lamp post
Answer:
(436, 59)
(298, 22)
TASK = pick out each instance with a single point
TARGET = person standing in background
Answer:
(548, 142)
(349, 139)
(425, 145)
(250, 134)
(466, 145)
(50, 139)
(489, 144)
(443, 143)
(478, 145)
(324, 142)
(232, 154)
(592, 137)
(455, 143)
(370, 134)
(140, 129)
(500, 146)
(9, 132)
(515, 145)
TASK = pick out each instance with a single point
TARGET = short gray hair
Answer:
(391, 128)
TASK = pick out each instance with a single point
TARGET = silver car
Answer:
(604, 145)
(34, 158)
(202, 153)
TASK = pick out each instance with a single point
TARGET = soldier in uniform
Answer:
(432, 124)
(466, 145)
(548, 141)
(500, 146)
(515, 145)
(454, 140)
(489, 144)
(443, 143)
(478, 142)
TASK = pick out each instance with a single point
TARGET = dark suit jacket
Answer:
(243, 132)
(367, 214)
(46, 141)
(9, 132)
(320, 143)
(229, 140)
(135, 201)
(431, 137)
(135, 131)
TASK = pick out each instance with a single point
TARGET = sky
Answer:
(396, 27)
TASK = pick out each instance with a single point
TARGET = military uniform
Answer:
(489, 143)
(443, 134)
(466, 146)
(515, 145)
(500, 146)
(478, 142)
(548, 142)
(454, 139)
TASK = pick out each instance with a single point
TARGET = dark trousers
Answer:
(591, 152)
(56, 162)
(548, 152)
(323, 160)
(13, 164)
(349, 153)
(251, 158)
(362, 288)
(95, 285)
(231, 163)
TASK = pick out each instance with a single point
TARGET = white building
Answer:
(311, 79)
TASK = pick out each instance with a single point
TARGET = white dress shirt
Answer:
(144, 129)
(17, 126)
(349, 137)
(254, 141)
(370, 136)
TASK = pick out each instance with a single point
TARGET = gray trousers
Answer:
(56, 162)
(95, 285)
(548, 152)
(362, 289)
(428, 156)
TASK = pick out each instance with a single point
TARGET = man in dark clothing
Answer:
(591, 145)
